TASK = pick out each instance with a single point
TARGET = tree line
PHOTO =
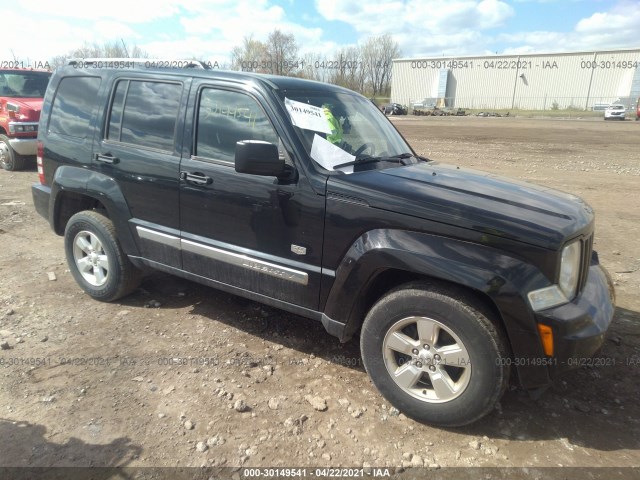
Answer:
(365, 68)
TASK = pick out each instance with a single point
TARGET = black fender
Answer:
(501, 278)
(100, 187)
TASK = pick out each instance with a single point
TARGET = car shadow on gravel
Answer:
(25, 446)
(302, 334)
(595, 406)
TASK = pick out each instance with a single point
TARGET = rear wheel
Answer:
(9, 159)
(96, 259)
(435, 354)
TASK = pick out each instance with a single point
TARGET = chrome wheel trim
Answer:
(5, 154)
(433, 368)
(90, 258)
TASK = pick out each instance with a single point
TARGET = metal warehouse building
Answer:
(576, 81)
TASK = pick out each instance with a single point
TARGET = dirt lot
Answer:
(142, 381)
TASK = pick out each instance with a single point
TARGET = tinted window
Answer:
(73, 106)
(225, 118)
(23, 84)
(149, 115)
(115, 120)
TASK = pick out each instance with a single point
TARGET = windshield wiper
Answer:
(393, 158)
(402, 155)
(410, 155)
(369, 159)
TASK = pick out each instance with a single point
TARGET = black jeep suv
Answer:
(303, 196)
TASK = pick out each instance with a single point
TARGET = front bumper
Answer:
(579, 327)
(24, 146)
(41, 195)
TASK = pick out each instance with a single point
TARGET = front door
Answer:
(254, 232)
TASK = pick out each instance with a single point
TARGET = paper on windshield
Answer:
(328, 155)
(307, 116)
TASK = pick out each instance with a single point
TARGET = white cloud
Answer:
(234, 19)
(113, 30)
(211, 28)
(46, 37)
(129, 11)
(422, 26)
(456, 43)
(418, 16)
(616, 28)
(434, 27)
(249, 19)
(205, 28)
(622, 18)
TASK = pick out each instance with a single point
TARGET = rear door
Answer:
(139, 149)
(258, 233)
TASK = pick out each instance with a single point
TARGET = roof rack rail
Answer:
(143, 62)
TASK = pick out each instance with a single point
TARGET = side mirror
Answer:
(258, 158)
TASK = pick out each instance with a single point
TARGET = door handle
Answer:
(197, 178)
(106, 158)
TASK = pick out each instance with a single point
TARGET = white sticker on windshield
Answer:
(328, 155)
(307, 116)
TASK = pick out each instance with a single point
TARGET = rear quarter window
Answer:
(73, 106)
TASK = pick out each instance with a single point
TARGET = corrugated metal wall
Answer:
(529, 82)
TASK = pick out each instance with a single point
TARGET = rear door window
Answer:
(145, 113)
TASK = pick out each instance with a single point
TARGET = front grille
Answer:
(585, 263)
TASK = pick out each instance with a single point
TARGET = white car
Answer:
(615, 111)
(426, 103)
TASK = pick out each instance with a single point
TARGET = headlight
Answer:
(17, 127)
(567, 285)
(570, 269)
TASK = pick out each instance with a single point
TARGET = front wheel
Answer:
(435, 354)
(9, 159)
(96, 259)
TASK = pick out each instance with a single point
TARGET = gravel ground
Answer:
(178, 374)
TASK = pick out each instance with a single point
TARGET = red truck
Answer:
(21, 94)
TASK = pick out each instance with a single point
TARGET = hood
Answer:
(29, 108)
(32, 103)
(472, 199)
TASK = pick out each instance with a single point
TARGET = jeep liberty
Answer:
(304, 196)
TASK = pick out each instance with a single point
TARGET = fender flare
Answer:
(502, 279)
(100, 187)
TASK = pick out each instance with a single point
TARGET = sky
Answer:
(35, 31)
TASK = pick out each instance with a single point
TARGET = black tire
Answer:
(119, 277)
(459, 314)
(9, 159)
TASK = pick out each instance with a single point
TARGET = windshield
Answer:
(350, 122)
(23, 84)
